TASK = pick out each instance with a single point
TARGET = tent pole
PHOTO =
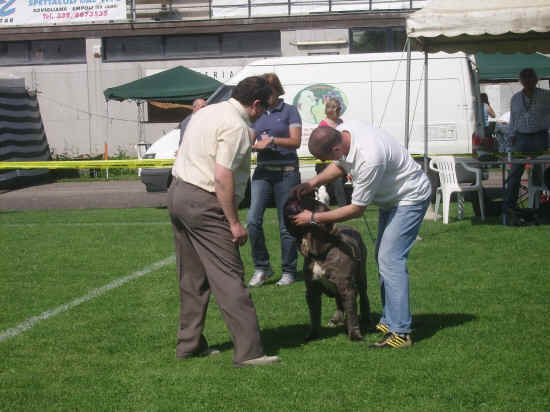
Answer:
(408, 93)
(106, 146)
(426, 109)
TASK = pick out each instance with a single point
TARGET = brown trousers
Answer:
(206, 260)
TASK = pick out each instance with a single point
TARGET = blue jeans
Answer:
(533, 143)
(265, 185)
(397, 231)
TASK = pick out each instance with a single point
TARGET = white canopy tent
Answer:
(490, 26)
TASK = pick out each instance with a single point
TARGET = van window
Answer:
(222, 94)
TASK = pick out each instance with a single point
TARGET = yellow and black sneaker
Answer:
(393, 340)
(382, 328)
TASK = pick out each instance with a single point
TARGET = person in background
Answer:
(278, 133)
(210, 177)
(386, 175)
(527, 129)
(333, 109)
(197, 105)
(487, 112)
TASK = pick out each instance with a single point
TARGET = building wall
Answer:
(78, 120)
(76, 114)
(310, 42)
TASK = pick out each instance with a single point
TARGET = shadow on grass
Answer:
(427, 325)
(289, 336)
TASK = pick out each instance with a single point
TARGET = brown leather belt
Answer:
(279, 168)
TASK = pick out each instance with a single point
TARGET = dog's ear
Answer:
(292, 207)
(307, 202)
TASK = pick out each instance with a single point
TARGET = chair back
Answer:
(446, 167)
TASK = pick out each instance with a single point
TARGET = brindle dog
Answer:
(334, 263)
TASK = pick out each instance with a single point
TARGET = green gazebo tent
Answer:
(499, 67)
(177, 85)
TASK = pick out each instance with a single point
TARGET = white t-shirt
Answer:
(382, 170)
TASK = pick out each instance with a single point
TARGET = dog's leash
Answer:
(368, 229)
(373, 238)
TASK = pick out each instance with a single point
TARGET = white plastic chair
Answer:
(446, 167)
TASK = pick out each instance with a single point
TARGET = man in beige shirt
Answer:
(210, 176)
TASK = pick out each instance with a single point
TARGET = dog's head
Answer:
(294, 206)
(312, 239)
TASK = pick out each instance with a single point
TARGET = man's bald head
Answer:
(322, 140)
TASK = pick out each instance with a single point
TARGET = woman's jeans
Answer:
(525, 143)
(397, 231)
(267, 185)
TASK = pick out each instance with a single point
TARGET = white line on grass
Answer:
(29, 323)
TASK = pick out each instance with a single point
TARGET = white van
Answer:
(371, 87)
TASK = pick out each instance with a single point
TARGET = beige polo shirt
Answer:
(219, 133)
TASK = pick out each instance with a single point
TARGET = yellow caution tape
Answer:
(89, 164)
(159, 163)
(110, 164)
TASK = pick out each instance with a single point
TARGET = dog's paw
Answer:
(313, 335)
(334, 323)
(366, 326)
(355, 335)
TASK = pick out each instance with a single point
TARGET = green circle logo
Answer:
(311, 100)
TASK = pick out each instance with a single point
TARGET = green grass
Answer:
(479, 294)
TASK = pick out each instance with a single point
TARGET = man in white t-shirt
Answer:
(383, 174)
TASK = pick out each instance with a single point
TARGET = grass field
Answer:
(480, 301)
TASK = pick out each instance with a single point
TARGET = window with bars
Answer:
(42, 52)
(192, 46)
(373, 40)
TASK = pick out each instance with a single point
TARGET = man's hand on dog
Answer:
(301, 190)
(302, 218)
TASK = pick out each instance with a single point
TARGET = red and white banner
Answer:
(58, 12)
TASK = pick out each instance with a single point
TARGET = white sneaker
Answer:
(262, 360)
(260, 276)
(286, 279)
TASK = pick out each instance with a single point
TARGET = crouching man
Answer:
(210, 176)
(383, 174)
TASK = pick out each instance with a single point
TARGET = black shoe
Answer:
(205, 352)
(393, 340)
